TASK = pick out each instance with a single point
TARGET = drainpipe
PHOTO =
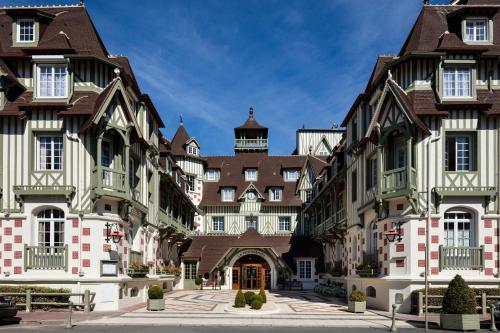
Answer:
(427, 226)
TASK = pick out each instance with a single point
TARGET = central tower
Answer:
(251, 137)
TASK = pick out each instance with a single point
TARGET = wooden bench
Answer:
(293, 285)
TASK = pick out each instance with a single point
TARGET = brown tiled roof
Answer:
(179, 140)
(73, 21)
(251, 123)
(269, 174)
(209, 249)
(318, 164)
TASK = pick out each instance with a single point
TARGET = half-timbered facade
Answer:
(421, 160)
(80, 178)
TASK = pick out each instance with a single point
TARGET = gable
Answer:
(392, 115)
(323, 148)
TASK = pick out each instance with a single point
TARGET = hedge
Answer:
(34, 289)
(442, 291)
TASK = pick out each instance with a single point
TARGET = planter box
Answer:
(459, 322)
(356, 307)
(156, 304)
(367, 272)
(137, 272)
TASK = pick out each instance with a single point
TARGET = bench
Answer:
(293, 285)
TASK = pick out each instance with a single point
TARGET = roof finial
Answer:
(181, 122)
(82, 3)
(426, 2)
(310, 150)
(250, 112)
(389, 75)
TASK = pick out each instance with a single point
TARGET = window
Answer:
(250, 175)
(52, 81)
(25, 31)
(275, 194)
(284, 223)
(189, 270)
(458, 228)
(251, 222)
(218, 223)
(292, 175)
(371, 292)
(354, 250)
(457, 82)
(227, 194)
(373, 247)
(309, 195)
(459, 153)
(190, 183)
(213, 175)
(305, 269)
(476, 31)
(354, 132)
(106, 160)
(371, 172)
(50, 153)
(354, 185)
(177, 178)
(323, 150)
(50, 228)
(192, 150)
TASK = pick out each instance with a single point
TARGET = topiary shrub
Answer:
(262, 294)
(459, 298)
(155, 292)
(199, 281)
(239, 300)
(357, 296)
(248, 297)
(257, 303)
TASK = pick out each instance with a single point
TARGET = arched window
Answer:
(50, 227)
(371, 292)
(458, 228)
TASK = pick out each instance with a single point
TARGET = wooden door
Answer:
(236, 278)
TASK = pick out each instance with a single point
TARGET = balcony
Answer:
(397, 182)
(461, 257)
(257, 144)
(46, 257)
(330, 227)
(110, 181)
(172, 222)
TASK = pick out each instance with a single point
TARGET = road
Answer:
(190, 329)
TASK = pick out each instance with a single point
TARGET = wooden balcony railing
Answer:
(461, 257)
(111, 179)
(46, 257)
(397, 179)
(250, 143)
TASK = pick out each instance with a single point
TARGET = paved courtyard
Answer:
(214, 307)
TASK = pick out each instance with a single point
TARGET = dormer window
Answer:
(476, 30)
(291, 175)
(227, 194)
(192, 150)
(212, 175)
(275, 194)
(457, 82)
(250, 175)
(52, 81)
(25, 31)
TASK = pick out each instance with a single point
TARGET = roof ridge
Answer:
(42, 6)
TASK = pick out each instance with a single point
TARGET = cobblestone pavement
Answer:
(207, 307)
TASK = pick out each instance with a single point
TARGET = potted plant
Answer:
(155, 299)
(459, 307)
(137, 270)
(199, 282)
(367, 270)
(357, 302)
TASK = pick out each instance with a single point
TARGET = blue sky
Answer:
(295, 62)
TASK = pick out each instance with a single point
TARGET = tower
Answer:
(251, 137)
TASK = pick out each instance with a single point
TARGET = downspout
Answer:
(427, 226)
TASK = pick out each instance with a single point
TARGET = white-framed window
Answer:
(458, 228)
(52, 81)
(459, 152)
(305, 269)
(284, 223)
(50, 152)
(476, 30)
(275, 194)
(291, 175)
(212, 175)
(50, 228)
(190, 270)
(106, 161)
(251, 222)
(457, 82)
(250, 175)
(192, 150)
(227, 194)
(218, 223)
(190, 182)
(25, 30)
(323, 150)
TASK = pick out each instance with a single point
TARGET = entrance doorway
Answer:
(251, 272)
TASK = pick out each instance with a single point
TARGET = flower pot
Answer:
(459, 322)
(356, 307)
(156, 304)
(137, 272)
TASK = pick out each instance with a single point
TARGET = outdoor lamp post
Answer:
(114, 235)
(394, 234)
